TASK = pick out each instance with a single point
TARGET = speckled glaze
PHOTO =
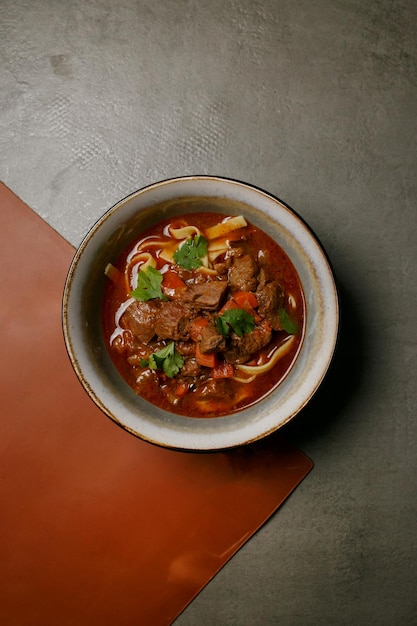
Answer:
(83, 293)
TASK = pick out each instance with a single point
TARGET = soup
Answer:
(203, 315)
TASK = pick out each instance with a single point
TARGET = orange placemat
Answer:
(97, 526)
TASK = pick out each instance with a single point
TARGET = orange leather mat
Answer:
(97, 526)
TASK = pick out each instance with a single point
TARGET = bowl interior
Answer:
(82, 312)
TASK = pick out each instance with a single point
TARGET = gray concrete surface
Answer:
(315, 101)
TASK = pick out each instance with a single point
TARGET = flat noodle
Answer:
(207, 270)
(215, 249)
(154, 244)
(185, 232)
(179, 234)
(145, 245)
(239, 379)
(226, 227)
(147, 260)
(168, 253)
(112, 272)
(278, 354)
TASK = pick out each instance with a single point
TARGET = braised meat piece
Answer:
(240, 247)
(242, 348)
(207, 295)
(139, 318)
(243, 273)
(262, 277)
(211, 340)
(186, 348)
(271, 299)
(172, 320)
(222, 265)
(191, 367)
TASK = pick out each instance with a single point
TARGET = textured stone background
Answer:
(316, 102)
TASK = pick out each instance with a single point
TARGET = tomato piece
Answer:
(196, 327)
(172, 281)
(229, 304)
(245, 299)
(207, 360)
(181, 389)
(224, 370)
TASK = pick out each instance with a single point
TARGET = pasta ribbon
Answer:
(184, 232)
(112, 272)
(239, 379)
(139, 261)
(216, 248)
(207, 270)
(167, 253)
(145, 244)
(226, 227)
(278, 354)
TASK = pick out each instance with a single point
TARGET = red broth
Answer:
(168, 342)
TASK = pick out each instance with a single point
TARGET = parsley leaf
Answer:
(190, 253)
(239, 320)
(167, 359)
(149, 285)
(287, 323)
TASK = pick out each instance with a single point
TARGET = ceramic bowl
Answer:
(82, 322)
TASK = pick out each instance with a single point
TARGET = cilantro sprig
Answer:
(239, 320)
(287, 322)
(190, 253)
(149, 285)
(166, 359)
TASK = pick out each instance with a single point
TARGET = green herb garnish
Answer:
(239, 320)
(190, 253)
(287, 323)
(167, 359)
(149, 285)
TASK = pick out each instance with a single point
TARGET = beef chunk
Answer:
(191, 367)
(186, 348)
(211, 340)
(243, 273)
(222, 266)
(242, 348)
(172, 320)
(271, 298)
(239, 247)
(139, 318)
(207, 295)
(262, 277)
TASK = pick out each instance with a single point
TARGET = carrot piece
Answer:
(171, 280)
(181, 390)
(196, 327)
(207, 360)
(229, 304)
(223, 370)
(245, 299)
